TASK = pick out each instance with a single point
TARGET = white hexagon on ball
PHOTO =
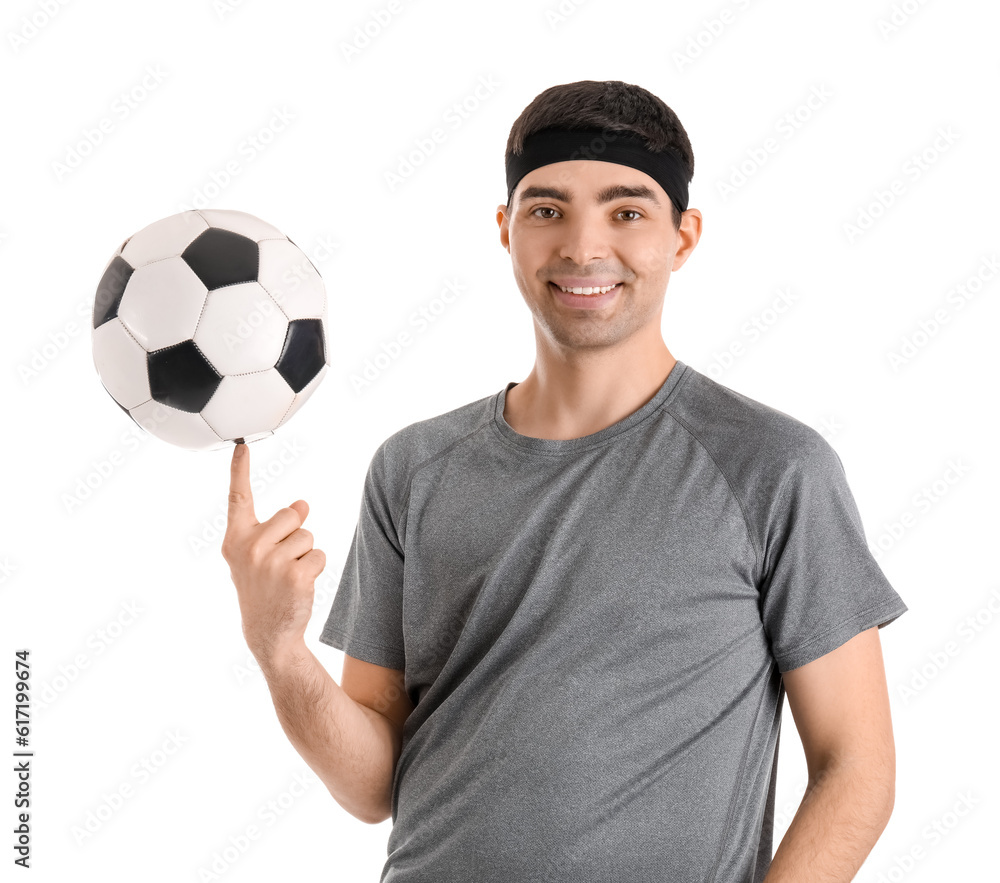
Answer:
(291, 279)
(167, 237)
(180, 428)
(162, 303)
(121, 363)
(241, 329)
(244, 403)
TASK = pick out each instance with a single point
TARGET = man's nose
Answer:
(585, 239)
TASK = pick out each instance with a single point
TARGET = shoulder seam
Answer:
(736, 496)
(433, 457)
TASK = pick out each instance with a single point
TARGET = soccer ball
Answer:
(210, 327)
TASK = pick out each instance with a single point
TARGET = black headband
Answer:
(560, 145)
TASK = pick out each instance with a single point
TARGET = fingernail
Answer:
(240, 448)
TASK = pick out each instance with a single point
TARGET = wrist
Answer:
(279, 657)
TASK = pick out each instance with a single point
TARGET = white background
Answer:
(917, 438)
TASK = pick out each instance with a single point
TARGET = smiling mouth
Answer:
(587, 292)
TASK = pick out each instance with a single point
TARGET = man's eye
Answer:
(546, 208)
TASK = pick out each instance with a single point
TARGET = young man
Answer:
(571, 610)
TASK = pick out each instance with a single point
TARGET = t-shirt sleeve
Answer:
(365, 620)
(821, 585)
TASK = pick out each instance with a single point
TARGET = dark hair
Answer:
(607, 104)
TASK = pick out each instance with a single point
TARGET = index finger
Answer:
(241, 511)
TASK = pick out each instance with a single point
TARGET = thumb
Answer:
(300, 506)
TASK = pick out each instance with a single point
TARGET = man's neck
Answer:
(556, 401)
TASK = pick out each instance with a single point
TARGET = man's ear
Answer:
(688, 236)
(504, 224)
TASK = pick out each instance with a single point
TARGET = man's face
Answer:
(586, 222)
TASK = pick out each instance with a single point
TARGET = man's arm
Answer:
(840, 704)
(351, 747)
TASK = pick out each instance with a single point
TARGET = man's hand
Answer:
(273, 565)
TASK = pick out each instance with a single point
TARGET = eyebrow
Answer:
(608, 194)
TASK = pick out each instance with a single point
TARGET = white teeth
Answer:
(604, 290)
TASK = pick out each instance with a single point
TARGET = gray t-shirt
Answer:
(593, 632)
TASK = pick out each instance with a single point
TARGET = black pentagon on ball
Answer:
(311, 264)
(130, 414)
(120, 405)
(303, 354)
(221, 257)
(180, 376)
(110, 290)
